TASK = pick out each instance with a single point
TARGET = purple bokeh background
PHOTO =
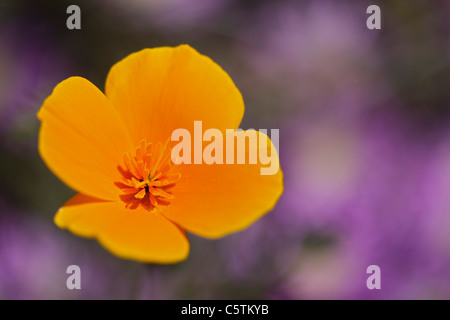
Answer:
(364, 147)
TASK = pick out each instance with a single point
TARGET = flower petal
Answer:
(159, 90)
(82, 138)
(214, 200)
(131, 234)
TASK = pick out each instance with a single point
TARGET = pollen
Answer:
(147, 177)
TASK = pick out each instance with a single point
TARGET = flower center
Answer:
(146, 176)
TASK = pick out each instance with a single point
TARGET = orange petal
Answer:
(131, 234)
(214, 200)
(162, 89)
(82, 138)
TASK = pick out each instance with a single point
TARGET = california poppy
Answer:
(114, 150)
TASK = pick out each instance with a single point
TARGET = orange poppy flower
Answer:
(113, 149)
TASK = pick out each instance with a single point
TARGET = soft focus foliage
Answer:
(364, 145)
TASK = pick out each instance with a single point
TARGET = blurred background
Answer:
(364, 119)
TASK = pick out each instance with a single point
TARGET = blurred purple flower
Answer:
(378, 189)
(174, 15)
(34, 257)
(315, 53)
(29, 69)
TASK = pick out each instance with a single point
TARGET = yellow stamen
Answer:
(140, 194)
(146, 175)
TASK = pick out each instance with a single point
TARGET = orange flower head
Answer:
(115, 150)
